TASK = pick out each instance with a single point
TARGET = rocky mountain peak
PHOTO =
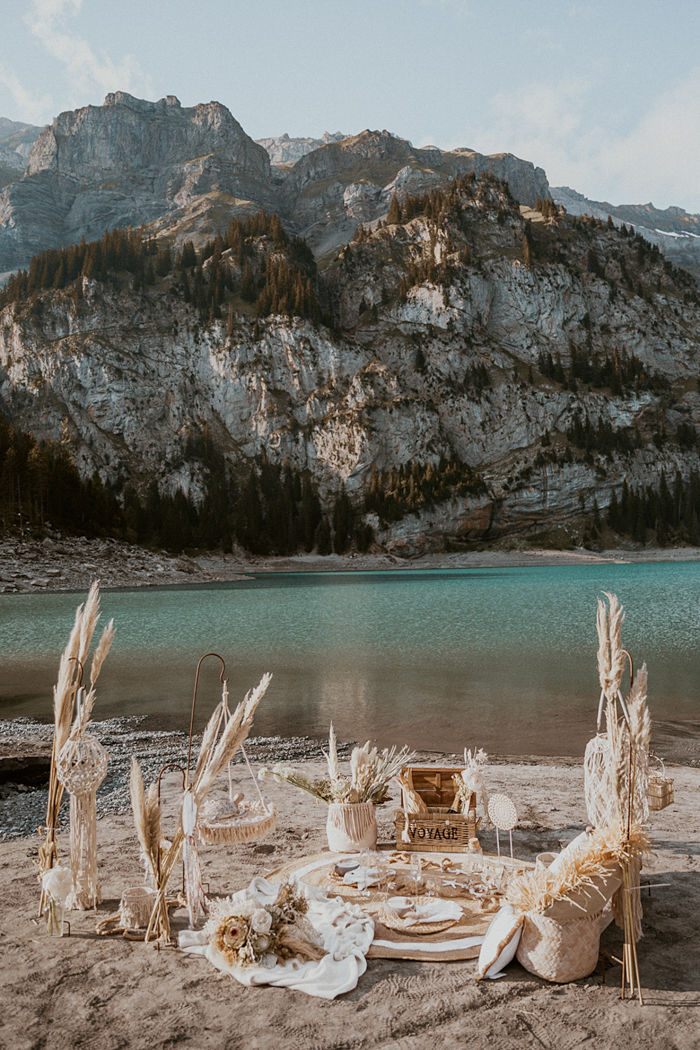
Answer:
(127, 134)
(123, 98)
(675, 231)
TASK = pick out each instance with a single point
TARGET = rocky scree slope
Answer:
(185, 171)
(557, 358)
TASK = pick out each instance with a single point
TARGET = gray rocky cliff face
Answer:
(125, 377)
(127, 163)
(16, 141)
(329, 191)
(283, 149)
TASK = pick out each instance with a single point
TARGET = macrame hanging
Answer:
(81, 767)
(77, 762)
(608, 773)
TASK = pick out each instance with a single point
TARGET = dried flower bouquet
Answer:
(245, 932)
(370, 774)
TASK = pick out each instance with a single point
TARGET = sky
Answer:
(604, 96)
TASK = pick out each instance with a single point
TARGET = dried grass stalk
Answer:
(606, 846)
(101, 652)
(147, 818)
(611, 655)
(213, 757)
(412, 803)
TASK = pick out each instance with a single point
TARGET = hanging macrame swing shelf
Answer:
(234, 820)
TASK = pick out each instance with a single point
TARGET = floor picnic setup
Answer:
(404, 860)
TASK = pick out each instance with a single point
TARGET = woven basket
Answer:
(660, 786)
(559, 951)
(136, 906)
(439, 829)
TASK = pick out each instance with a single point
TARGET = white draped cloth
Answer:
(346, 932)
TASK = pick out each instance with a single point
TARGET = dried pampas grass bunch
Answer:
(615, 762)
(214, 756)
(147, 820)
(371, 772)
(70, 673)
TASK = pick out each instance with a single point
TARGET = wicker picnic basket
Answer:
(440, 830)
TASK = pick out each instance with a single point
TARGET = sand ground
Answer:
(84, 991)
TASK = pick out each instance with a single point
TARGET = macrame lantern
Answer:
(81, 766)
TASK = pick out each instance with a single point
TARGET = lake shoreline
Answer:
(68, 564)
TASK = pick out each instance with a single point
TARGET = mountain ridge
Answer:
(204, 189)
(184, 171)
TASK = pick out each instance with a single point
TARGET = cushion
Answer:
(500, 943)
(573, 847)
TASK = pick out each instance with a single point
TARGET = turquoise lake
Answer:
(499, 658)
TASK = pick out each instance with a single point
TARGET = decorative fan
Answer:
(504, 817)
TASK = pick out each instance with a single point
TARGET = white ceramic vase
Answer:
(351, 826)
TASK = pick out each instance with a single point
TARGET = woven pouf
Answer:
(559, 951)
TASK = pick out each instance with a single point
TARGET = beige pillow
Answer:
(500, 943)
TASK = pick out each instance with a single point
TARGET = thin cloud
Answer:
(31, 106)
(655, 159)
(49, 22)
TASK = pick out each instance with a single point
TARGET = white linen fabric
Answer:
(433, 911)
(577, 844)
(361, 876)
(346, 932)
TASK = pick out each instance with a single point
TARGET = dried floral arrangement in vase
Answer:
(470, 782)
(351, 800)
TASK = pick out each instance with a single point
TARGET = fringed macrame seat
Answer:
(222, 822)
(607, 786)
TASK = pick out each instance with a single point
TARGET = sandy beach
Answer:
(72, 563)
(89, 991)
